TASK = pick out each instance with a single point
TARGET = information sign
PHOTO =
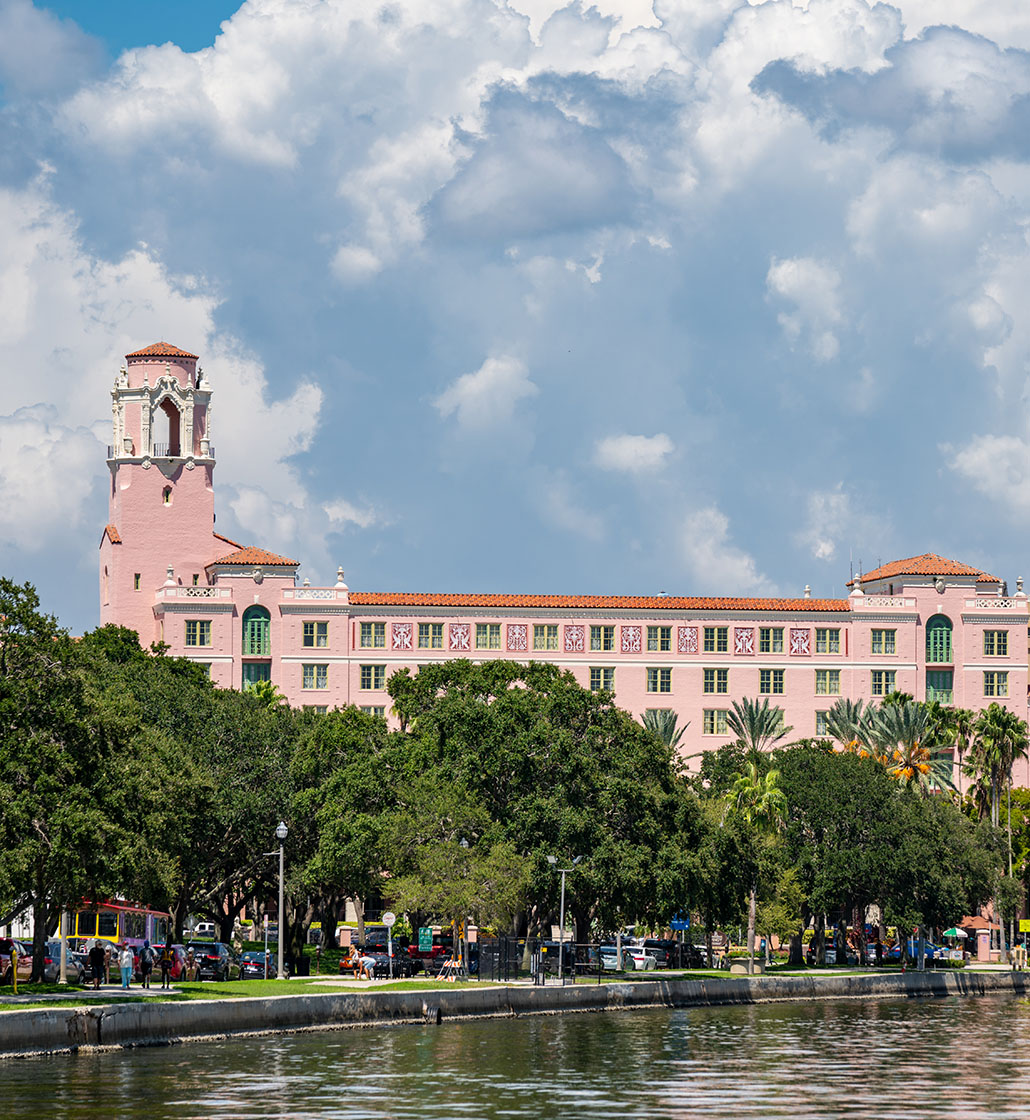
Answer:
(1024, 925)
(679, 923)
(425, 939)
(389, 918)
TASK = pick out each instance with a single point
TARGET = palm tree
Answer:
(961, 726)
(850, 725)
(1001, 738)
(757, 726)
(762, 804)
(662, 721)
(903, 734)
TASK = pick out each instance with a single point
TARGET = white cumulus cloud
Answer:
(488, 396)
(714, 562)
(633, 454)
(814, 289)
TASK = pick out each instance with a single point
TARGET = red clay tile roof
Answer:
(600, 602)
(929, 564)
(112, 532)
(161, 350)
(251, 555)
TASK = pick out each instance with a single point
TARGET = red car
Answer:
(24, 960)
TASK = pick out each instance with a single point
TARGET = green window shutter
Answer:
(938, 640)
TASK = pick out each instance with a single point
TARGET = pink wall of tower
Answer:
(327, 646)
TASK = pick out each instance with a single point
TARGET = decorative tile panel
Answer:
(800, 643)
(518, 637)
(575, 639)
(461, 636)
(744, 640)
(631, 639)
(402, 635)
(687, 639)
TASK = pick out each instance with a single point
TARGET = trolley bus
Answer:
(117, 920)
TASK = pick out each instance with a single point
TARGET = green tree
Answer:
(757, 726)
(849, 724)
(904, 733)
(758, 800)
(663, 723)
(62, 825)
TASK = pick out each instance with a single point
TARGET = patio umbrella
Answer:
(955, 932)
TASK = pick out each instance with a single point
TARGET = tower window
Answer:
(135, 581)
(196, 579)
(166, 495)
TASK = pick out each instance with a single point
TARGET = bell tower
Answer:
(161, 492)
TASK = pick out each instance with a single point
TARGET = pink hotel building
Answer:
(929, 626)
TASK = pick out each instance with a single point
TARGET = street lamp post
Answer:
(280, 833)
(553, 860)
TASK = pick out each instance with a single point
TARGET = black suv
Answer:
(215, 959)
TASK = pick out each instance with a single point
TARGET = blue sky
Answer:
(703, 297)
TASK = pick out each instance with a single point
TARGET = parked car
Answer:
(403, 965)
(442, 949)
(204, 929)
(252, 965)
(24, 951)
(216, 960)
(658, 949)
(78, 965)
(634, 958)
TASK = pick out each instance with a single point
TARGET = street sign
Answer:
(679, 923)
(389, 918)
(425, 939)
(1024, 925)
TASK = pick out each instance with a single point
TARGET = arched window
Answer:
(255, 632)
(166, 430)
(938, 640)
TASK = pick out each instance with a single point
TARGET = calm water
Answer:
(953, 1058)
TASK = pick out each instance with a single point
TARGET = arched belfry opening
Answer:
(166, 429)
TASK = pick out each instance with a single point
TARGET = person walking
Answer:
(126, 960)
(97, 963)
(167, 960)
(146, 963)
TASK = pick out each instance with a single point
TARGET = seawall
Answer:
(69, 1029)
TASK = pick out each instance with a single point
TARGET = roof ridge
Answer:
(251, 554)
(161, 350)
(641, 602)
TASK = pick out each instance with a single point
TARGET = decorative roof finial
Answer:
(339, 578)
(808, 592)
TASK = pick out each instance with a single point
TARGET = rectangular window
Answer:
(883, 641)
(601, 677)
(827, 682)
(883, 681)
(820, 723)
(717, 639)
(254, 671)
(659, 639)
(545, 637)
(198, 633)
(196, 579)
(430, 635)
(488, 635)
(770, 682)
(939, 685)
(318, 709)
(996, 644)
(374, 710)
(770, 639)
(602, 638)
(316, 676)
(996, 684)
(135, 581)
(373, 635)
(373, 676)
(206, 666)
(827, 641)
(659, 680)
(717, 680)
(715, 721)
(316, 634)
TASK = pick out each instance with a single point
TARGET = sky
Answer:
(704, 297)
